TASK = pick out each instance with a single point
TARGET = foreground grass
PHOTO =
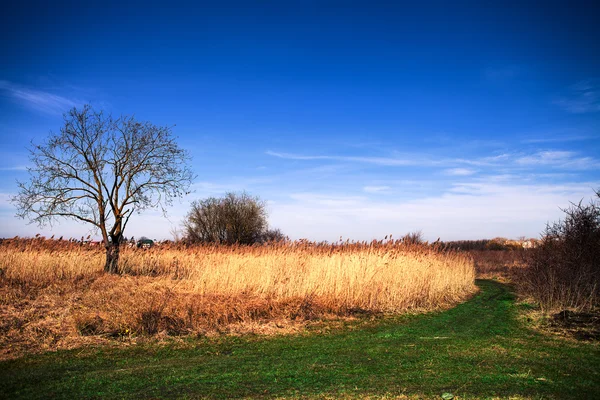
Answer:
(478, 349)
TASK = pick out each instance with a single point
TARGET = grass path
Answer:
(478, 349)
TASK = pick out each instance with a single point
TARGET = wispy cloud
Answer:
(384, 161)
(14, 168)
(456, 166)
(561, 139)
(558, 159)
(489, 161)
(407, 161)
(376, 189)
(583, 97)
(459, 172)
(45, 102)
(546, 158)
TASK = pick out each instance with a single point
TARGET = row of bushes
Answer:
(485, 244)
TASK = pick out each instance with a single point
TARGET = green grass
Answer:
(478, 349)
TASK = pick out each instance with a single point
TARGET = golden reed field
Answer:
(54, 294)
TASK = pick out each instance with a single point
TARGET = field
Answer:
(295, 320)
(501, 265)
(482, 348)
(54, 295)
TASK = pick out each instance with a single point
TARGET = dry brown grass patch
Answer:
(57, 297)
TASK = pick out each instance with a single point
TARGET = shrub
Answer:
(273, 235)
(564, 270)
(232, 219)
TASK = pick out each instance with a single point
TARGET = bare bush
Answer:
(564, 270)
(236, 218)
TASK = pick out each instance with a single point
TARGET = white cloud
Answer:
(505, 163)
(558, 159)
(384, 161)
(546, 157)
(502, 160)
(468, 211)
(14, 168)
(40, 100)
(489, 161)
(561, 139)
(416, 160)
(472, 210)
(459, 172)
(376, 189)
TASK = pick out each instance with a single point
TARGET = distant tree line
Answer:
(482, 244)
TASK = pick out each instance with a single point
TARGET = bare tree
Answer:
(234, 218)
(102, 170)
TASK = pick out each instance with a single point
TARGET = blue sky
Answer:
(353, 119)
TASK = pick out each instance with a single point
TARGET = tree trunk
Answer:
(112, 258)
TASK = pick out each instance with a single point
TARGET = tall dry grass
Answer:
(502, 265)
(54, 293)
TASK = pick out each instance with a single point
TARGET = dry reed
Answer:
(53, 293)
